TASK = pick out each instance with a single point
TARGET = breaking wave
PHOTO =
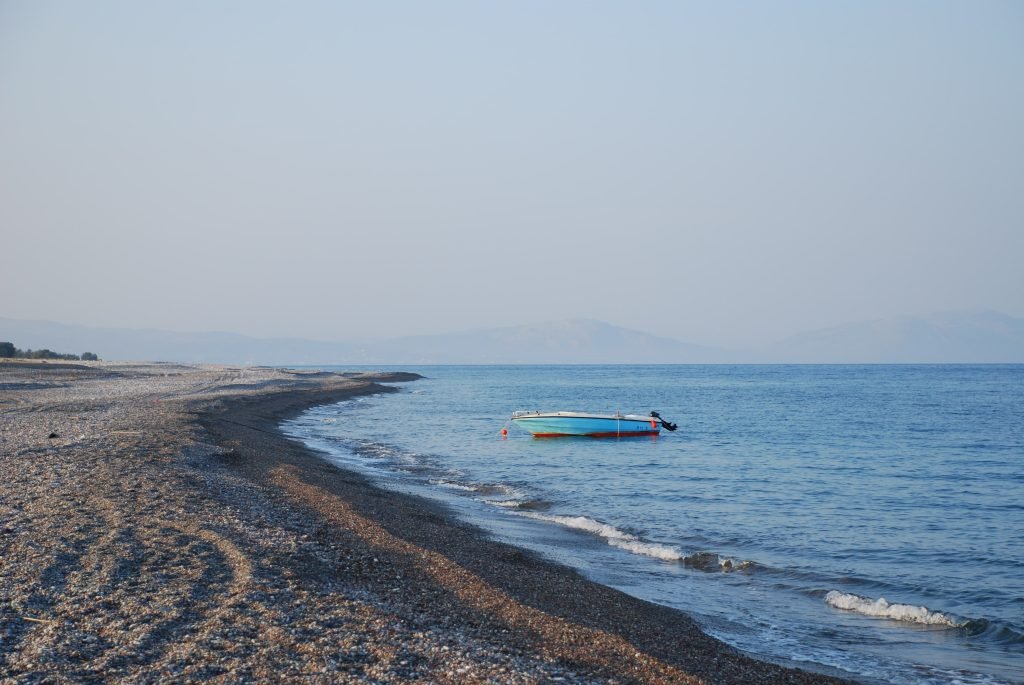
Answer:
(454, 485)
(485, 490)
(880, 608)
(522, 504)
(705, 561)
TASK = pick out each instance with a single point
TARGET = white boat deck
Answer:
(579, 415)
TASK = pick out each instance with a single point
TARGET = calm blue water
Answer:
(860, 520)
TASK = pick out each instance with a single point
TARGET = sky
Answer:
(723, 173)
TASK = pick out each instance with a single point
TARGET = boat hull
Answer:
(567, 424)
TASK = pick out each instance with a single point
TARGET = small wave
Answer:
(880, 608)
(994, 632)
(705, 561)
(647, 549)
(588, 525)
(511, 496)
(522, 505)
(709, 561)
(453, 485)
(494, 489)
(373, 450)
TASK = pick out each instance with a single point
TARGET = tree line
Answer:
(9, 351)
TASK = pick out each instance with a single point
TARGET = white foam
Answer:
(648, 549)
(612, 535)
(585, 524)
(882, 609)
(489, 491)
(512, 496)
(454, 486)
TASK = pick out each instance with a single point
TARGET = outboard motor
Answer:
(665, 424)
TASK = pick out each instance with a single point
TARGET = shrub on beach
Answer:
(8, 350)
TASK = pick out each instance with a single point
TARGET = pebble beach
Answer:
(155, 526)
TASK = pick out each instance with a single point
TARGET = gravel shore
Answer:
(155, 526)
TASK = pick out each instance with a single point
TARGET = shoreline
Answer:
(207, 544)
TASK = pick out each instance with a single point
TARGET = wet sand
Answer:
(156, 526)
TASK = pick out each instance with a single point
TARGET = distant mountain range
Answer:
(979, 337)
(573, 341)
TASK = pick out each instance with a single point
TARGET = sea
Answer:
(861, 521)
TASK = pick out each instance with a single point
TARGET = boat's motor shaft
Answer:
(665, 424)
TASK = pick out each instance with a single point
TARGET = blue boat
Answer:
(569, 423)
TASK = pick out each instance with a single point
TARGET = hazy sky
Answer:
(724, 173)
